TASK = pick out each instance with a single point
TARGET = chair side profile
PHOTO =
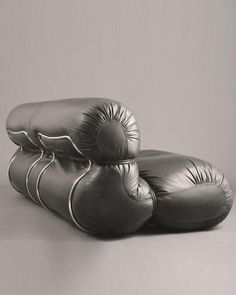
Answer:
(81, 158)
(77, 158)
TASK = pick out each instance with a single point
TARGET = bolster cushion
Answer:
(77, 158)
(190, 193)
(99, 129)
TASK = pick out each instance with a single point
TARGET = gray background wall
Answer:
(173, 63)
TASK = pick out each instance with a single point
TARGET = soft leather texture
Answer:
(101, 129)
(80, 159)
(190, 193)
(83, 150)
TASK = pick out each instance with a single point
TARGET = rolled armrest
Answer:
(77, 158)
(99, 129)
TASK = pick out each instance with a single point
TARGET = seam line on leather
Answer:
(41, 135)
(31, 166)
(28, 173)
(8, 167)
(70, 197)
(19, 132)
(38, 182)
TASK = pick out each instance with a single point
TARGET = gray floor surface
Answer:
(41, 253)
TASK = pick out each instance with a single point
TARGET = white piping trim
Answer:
(40, 135)
(31, 166)
(19, 132)
(27, 175)
(70, 197)
(38, 181)
(8, 167)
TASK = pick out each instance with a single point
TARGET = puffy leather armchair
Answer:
(80, 158)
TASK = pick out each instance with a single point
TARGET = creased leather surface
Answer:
(101, 129)
(79, 158)
(108, 200)
(83, 149)
(190, 193)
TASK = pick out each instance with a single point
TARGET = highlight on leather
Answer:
(191, 194)
(114, 202)
(99, 129)
(80, 158)
(109, 132)
(62, 143)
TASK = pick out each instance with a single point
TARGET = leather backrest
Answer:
(102, 130)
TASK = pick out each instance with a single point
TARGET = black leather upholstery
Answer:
(77, 159)
(80, 158)
(190, 193)
(100, 129)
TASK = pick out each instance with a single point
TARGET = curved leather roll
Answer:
(108, 199)
(117, 201)
(22, 162)
(99, 129)
(76, 159)
(18, 124)
(190, 193)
